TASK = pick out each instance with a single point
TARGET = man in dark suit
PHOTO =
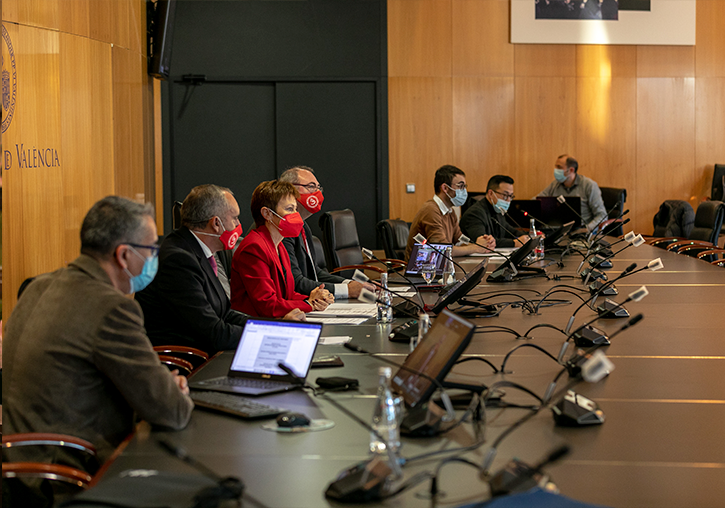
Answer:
(488, 215)
(77, 358)
(186, 304)
(301, 252)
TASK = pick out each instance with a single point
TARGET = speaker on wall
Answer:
(160, 20)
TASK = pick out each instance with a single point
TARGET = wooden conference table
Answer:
(662, 444)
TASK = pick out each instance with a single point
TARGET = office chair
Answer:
(612, 196)
(176, 215)
(340, 241)
(393, 234)
(16, 493)
(319, 252)
(708, 221)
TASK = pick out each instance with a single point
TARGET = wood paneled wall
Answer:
(83, 92)
(650, 119)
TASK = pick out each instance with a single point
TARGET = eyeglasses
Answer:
(153, 248)
(507, 197)
(459, 185)
(310, 187)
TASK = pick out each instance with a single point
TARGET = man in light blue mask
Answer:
(488, 215)
(436, 219)
(569, 183)
(78, 328)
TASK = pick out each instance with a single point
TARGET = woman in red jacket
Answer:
(261, 282)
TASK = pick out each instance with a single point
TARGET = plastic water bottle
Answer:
(540, 247)
(386, 417)
(450, 272)
(423, 327)
(532, 234)
(385, 305)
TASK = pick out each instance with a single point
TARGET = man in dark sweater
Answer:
(488, 216)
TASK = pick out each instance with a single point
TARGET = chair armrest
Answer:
(358, 267)
(40, 438)
(48, 471)
(676, 245)
(178, 363)
(663, 242)
(711, 252)
(196, 357)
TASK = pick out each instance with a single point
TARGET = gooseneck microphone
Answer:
(361, 277)
(561, 199)
(464, 239)
(527, 214)
(368, 296)
(423, 241)
(511, 234)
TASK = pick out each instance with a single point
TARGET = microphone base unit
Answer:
(422, 421)
(405, 332)
(516, 477)
(590, 336)
(597, 261)
(405, 310)
(505, 274)
(605, 308)
(363, 483)
(596, 286)
(575, 410)
(593, 274)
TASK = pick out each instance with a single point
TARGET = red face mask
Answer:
(312, 202)
(290, 225)
(229, 237)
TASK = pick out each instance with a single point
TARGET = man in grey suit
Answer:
(77, 358)
(301, 253)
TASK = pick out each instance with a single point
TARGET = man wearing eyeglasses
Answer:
(77, 357)
(488, 215)
(301, 252)
(437, 221)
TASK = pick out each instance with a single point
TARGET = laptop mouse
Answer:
(293, 420)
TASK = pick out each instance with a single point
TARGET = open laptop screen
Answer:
(266, 343)
(435, 356)
(424, 254)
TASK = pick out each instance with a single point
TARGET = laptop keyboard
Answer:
(234, 404)
(247, 383)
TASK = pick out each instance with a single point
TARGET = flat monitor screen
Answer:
(435, 356)
(424, 254)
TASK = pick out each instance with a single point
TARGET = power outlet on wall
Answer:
(410, 188)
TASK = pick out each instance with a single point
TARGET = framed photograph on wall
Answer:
(666, 22)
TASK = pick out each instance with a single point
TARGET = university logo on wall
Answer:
(9, 80)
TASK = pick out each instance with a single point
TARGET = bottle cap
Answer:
(385, 371)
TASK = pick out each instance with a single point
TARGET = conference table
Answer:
(662, 443)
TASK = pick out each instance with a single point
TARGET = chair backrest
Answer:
(393, 234)
(319, 253)
(614, 200)
(718, 183)
(674, 218)
(176, 214)
(339, 239)
(708, 221)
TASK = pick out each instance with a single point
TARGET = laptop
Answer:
(264, 344)
(435, 356)
(421, 255)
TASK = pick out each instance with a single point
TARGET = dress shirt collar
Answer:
(207, 251)
(444, 209)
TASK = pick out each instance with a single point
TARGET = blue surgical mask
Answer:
(143, 279)
(502, 206)
(559, 175)
(460, 198)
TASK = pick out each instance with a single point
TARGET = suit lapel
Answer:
(204, 263)
(275, 257)
(308, 255)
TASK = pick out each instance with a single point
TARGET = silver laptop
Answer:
(266, 343)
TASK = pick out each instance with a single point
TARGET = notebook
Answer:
(264, 344)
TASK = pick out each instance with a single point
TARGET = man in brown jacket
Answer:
(77, 358)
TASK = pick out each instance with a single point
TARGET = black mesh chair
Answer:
(614, 200)
(393, 234)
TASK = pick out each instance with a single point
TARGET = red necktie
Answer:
(213, 264)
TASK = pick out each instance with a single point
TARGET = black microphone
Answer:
(366, 481)
(421, 421)
(606, 218)
(361, 277)
(423, 241)
(561, 199)
(527, 214)
(512, 235)
(595, 260)
(628, 237)
(518, 476)
(225, 489)
(370, 255)
(368, 296)
(464, 239)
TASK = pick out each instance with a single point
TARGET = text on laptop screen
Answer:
(264, 344)
(424, 254)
